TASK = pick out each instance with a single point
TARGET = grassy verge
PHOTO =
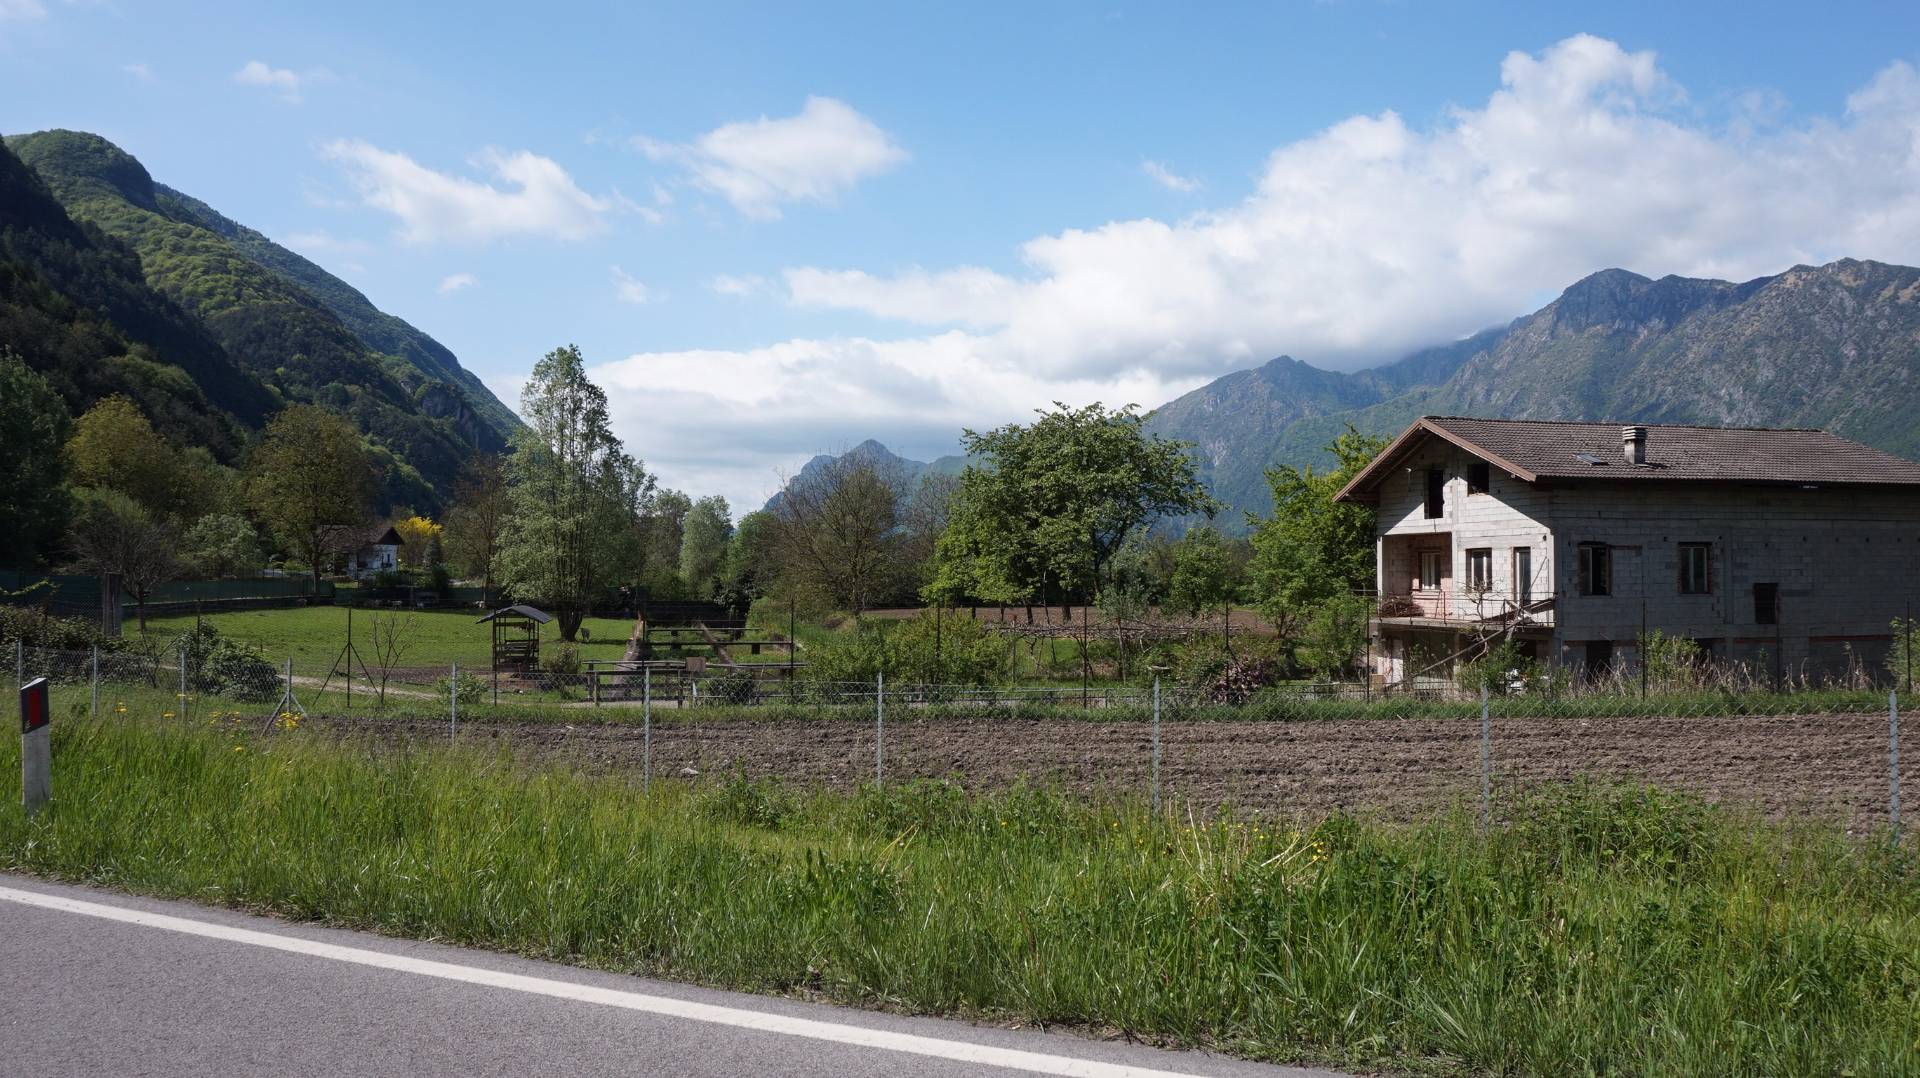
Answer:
(1604, 929)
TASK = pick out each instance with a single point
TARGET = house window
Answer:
(1766, 604)
(1479, 477)
(1436, 492)
(1596, 569)
(1480, 569)
(1523, 574)
(1694, 559)
(1430, 570)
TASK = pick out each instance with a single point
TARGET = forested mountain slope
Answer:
(422, 415)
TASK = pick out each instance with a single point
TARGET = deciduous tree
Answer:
(574, 491)
(112, 533)
(703, 545)
(478, 518)
(309, 480)
(838, 531)
(1053, 500)
(1313, 550)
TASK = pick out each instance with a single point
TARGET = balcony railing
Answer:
(1464, 605)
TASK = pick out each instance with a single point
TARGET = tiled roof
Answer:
(1537, 450)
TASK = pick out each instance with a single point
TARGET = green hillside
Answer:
(76, 307)
(263, 307)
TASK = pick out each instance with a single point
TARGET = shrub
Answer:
(39, 629)
(734, 687)
(956, 651)
(471, 690)
(219, 666)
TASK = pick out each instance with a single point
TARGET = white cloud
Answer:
(22, 11)
(285, 82)
(968, 296)
(1358, 243)
(534, 196)
(727, 284)
(760, 165)
(320, 241)
(139, 71)
(455, 282)
(1168, 178)
(630, 289)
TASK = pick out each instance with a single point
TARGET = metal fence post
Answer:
(181, 703)
(1486, 761)
(1893, 762)
(646, 730)
(1156, 745)
(96, 682)
(19, 663)
(453, 702)
(879, 728)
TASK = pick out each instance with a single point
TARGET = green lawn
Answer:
(1603, 930)
(314, 635)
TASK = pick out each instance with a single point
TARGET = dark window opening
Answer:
(1766, 604)
(1523, 574)
(1695, 573)
(1596, 569)
(1479, 478)
(1599, 659)
(1436, 492)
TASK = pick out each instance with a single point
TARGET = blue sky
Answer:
(782, 229)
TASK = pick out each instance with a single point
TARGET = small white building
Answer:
(1786, 549)
(378, 552)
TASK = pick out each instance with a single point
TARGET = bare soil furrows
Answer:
(1833, 765)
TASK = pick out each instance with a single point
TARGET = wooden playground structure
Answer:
(664, 646)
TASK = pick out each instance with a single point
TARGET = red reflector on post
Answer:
(33, 705)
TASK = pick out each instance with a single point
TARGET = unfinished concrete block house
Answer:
(1790, 550)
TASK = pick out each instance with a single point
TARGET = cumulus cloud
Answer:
(1362, 241)
(455, 282)
(140, 71)
(968, 296)
(630, 289)
(760, 165)
(1168, 178)
(533, 196)
(728, 284)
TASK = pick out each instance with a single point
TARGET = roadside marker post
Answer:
(36, 753)
(879, 729)
(453, 702)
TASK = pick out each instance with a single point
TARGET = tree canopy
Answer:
(1313, 550)
(33, 497)
(574, 494)
(1052, 501)
(310, 481)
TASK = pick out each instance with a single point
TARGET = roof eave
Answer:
(1361, 488)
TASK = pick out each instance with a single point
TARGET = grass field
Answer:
(1612, 929)
(314, 635)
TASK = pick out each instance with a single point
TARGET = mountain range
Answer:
(1834, 346)
(113, 283)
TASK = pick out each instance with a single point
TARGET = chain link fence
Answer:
(1304, 749)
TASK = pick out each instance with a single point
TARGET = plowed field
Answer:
(1833, 766)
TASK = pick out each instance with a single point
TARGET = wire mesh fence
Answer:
(1307, 749)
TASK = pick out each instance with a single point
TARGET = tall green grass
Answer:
(1601, 929)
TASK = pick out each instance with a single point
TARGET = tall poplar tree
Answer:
(573, 493)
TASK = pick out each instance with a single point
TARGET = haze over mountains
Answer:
(112, 283)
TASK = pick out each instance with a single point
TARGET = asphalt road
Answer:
(99, 983)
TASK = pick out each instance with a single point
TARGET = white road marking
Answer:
(960, 1051)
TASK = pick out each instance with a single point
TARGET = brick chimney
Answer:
(1633, 442)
